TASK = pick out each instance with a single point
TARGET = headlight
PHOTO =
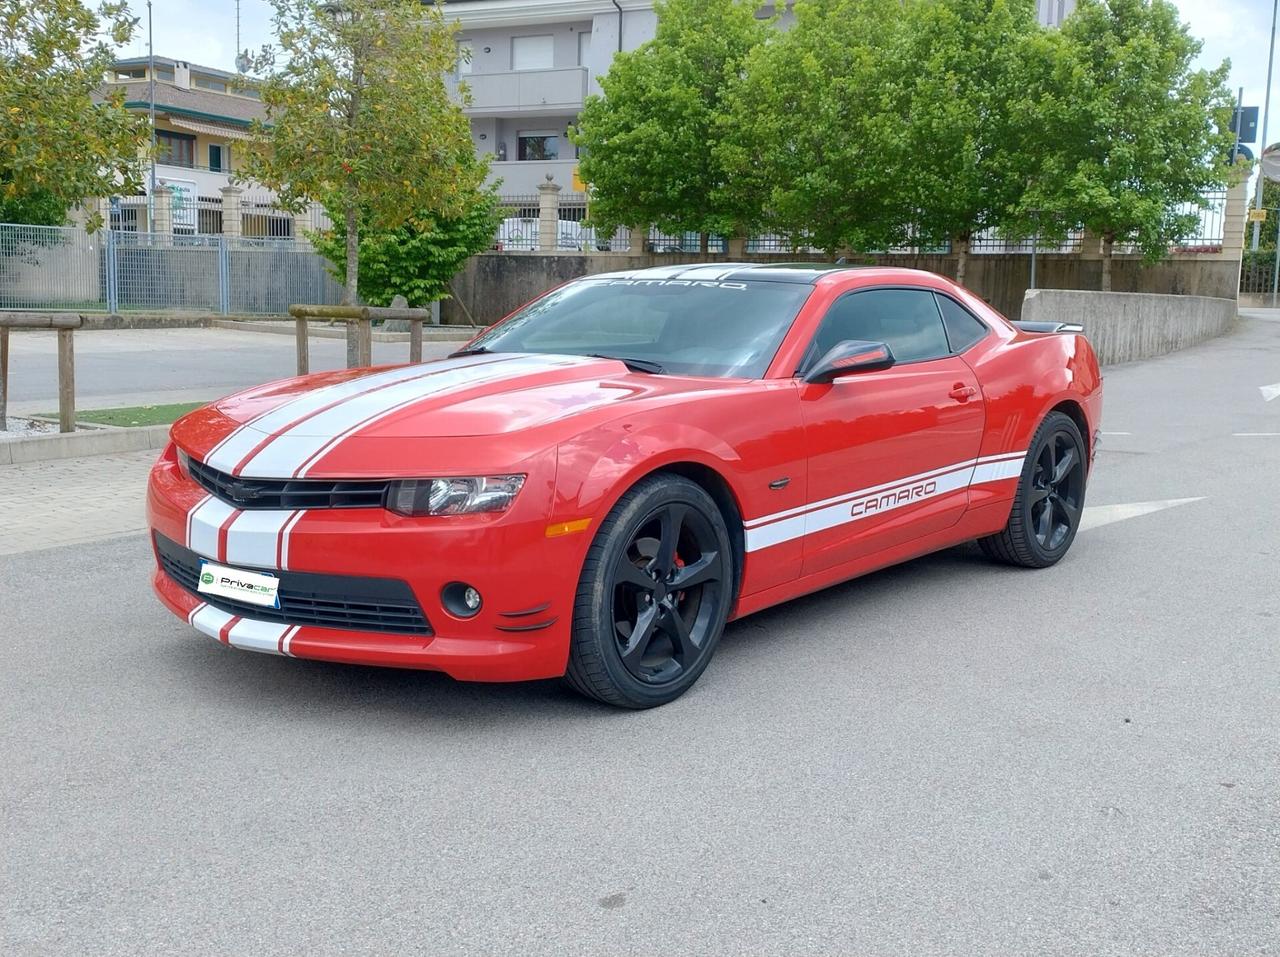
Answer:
(184, 462)
(453, 496)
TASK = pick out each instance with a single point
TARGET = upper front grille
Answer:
(327, 601)
(251, 493)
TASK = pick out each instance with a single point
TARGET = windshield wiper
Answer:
(635, 365)
(476, 351)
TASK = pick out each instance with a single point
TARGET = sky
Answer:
(204, 32)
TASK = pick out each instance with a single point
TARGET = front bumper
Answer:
(528, 581)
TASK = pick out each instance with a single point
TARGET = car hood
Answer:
(282, 424)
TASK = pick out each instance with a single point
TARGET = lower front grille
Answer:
(326, 601)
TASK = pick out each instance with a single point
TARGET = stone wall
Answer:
(1127, 326)
(493, 284)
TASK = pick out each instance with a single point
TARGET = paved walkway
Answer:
(72, 501)
(124, 367)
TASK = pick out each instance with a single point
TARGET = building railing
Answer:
(553, 220)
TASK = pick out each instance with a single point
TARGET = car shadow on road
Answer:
(339, 692)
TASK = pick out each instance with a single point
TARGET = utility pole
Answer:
(151, 102)
(1266, 112)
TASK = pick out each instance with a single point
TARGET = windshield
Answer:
(683, 327)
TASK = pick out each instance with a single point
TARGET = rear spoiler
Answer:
(1028, 325)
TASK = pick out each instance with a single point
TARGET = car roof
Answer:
(801, 273)
(804, 273)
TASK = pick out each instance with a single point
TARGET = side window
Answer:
(906, 319)
(963, 327)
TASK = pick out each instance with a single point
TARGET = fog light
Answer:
(461, 600)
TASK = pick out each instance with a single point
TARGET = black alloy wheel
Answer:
(655, 592)
(1057, 491)
(1050, 498)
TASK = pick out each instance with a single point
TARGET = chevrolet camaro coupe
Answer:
(594, 486)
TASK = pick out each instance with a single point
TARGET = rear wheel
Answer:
(654, 595)
(1050, 499)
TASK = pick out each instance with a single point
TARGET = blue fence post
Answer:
(113, 274)
(224, 276)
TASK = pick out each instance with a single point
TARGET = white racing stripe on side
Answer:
(242, 440)
(288, 454)
(203, 526)
(254, 537)
(248, 634)
(210, 621)
(844, 509)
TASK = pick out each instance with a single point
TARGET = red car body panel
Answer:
(879, 467)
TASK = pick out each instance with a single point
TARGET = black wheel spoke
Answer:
(1070, 514)
(631, 574)
(705, 569)
(1044, 523)
(641, 636)
(1065, 465)
(670, 521)
(1038, 495)
(685, 647)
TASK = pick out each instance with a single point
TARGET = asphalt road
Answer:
(948, 757)
(120, 367)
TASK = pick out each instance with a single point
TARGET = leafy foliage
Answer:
(359, 118)
(417, 259)
(961, 76)
(649, 142)
(1128, 131)
(60, 141)
(813, 129)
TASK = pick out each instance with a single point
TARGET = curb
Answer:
(429, 333)
(72, 445)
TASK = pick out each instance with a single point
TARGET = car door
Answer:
(890, 451)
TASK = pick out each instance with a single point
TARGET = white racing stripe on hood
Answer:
(293, 452)
(242, 440)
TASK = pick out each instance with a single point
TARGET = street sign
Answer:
(1257, 215)
(1244, 121)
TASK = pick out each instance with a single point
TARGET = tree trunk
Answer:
(1108, 248)
(704, 243)
(961, 246)
(350, 291)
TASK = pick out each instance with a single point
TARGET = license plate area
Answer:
(236, 584)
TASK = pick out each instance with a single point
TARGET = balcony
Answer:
(526, 91)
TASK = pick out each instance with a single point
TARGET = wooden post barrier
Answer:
(359, 320)
(65, 325)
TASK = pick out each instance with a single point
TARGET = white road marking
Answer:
(1117, 433)
(1269, 392)
(1095, 516)
(1254, 435)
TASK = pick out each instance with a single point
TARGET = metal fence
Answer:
(64, 267)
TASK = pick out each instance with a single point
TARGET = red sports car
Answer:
(595, 485)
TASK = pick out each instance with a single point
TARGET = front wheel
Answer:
(655, 592)
(1050, 498)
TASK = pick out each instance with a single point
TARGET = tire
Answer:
(1046, 511)
(639, 639)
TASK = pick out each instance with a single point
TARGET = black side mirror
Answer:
(848, 357)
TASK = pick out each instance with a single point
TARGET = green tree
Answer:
(813, 131)
(61, 143)
(359, 118)
(1127, 132)
(649, 143)
(416, 259)
(961, 70)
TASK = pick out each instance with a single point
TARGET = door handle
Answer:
(962, 392)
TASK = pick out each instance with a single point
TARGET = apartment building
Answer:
(201, 118)
(529, 65)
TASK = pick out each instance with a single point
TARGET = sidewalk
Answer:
(72, 501)
(126, 367)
